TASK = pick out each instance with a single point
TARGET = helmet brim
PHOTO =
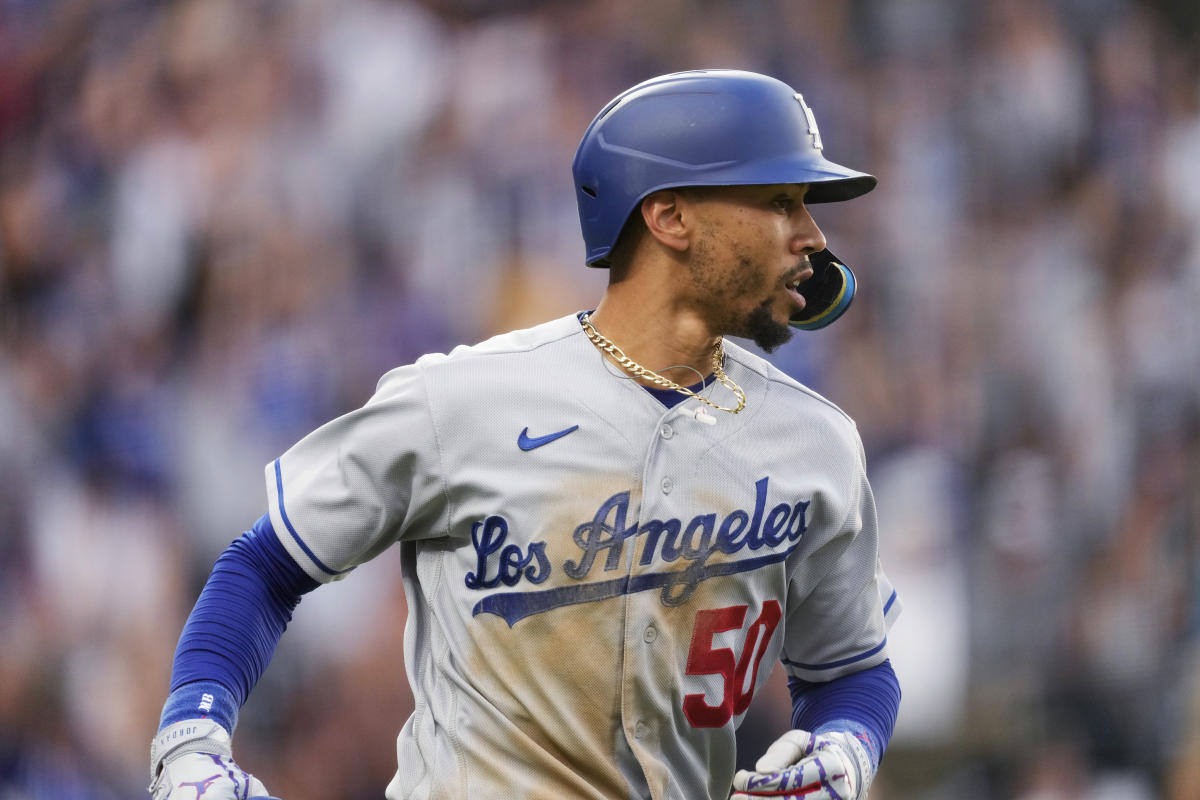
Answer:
(835, 190)
(827, 182)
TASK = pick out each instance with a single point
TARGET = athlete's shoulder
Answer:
(512, 343)
(785, 390)
(469, 370)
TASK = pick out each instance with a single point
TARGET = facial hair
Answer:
(764, 330)
(758, 325)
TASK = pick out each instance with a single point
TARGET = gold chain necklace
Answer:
(626, 363)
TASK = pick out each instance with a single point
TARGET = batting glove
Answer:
(192, 760)
(808, 766)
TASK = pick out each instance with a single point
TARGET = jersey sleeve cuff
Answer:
(818, 670)
(827, 671)
(297, 548)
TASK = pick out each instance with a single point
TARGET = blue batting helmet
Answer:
(699, 128)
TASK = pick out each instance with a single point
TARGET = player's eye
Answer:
(784, 203)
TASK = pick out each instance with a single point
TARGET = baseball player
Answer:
(611, 526)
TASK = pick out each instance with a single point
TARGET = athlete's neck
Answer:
(656, 334)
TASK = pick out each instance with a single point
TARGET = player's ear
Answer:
(663, 213)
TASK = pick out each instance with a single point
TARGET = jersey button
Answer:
(667, 485)
(650, 635)
(666, 431)
(640, 730)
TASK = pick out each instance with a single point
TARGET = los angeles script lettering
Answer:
(488, 537)
(602, 539)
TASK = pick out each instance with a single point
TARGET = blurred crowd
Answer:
(222, 220)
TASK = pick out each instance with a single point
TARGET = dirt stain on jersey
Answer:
(556, 675)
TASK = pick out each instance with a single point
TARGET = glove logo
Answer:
(201, 786)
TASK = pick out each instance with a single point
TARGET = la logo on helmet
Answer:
(812, 122)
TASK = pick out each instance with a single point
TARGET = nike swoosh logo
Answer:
(526, 443)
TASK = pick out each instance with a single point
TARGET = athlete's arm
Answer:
(226, 644)
(841, 729)
(865, 703)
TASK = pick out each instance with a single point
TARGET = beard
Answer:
(726, 288)
(764, 330)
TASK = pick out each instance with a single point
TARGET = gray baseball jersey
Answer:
(597, 585)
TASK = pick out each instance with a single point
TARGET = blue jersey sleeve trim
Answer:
(232, 632)
(841, 663)
(284, 516)
(864, 703)
(888, 605)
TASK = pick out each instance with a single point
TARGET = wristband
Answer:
(201, 700)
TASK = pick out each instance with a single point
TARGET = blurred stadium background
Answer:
(222, 220)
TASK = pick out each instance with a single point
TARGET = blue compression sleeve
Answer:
(865, 703)
(233, 629)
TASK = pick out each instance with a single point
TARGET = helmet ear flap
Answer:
(827, 294)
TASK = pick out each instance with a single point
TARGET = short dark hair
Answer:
(619, 256)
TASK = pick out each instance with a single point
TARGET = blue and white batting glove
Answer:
(192, 760)
(807, 766)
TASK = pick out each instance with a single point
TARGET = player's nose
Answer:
(806, 236)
